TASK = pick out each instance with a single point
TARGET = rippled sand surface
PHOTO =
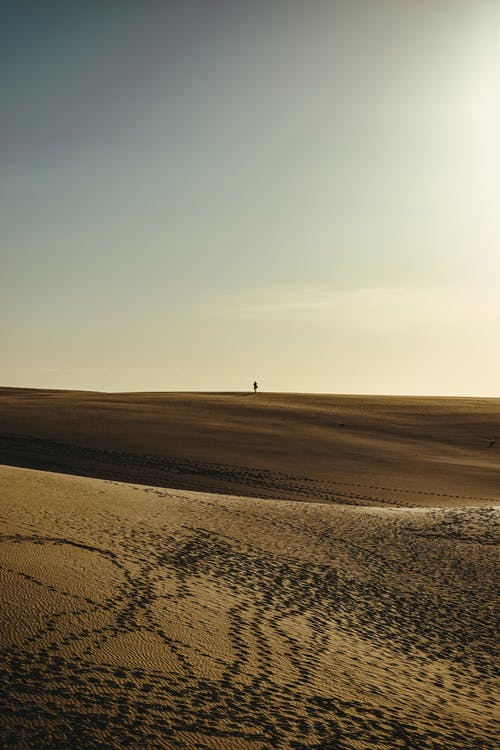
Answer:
(140, 617)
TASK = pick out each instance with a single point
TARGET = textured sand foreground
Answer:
(153, 618)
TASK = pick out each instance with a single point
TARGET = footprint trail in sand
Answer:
(141, 617)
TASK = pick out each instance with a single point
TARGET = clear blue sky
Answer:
(197, 194)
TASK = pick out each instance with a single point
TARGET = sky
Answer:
(194, 195)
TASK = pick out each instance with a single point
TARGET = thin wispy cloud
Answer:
(363, 307)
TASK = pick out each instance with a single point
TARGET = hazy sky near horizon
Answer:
(197, 194)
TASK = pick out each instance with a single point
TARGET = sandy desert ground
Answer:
(351, 449)
(360, 615)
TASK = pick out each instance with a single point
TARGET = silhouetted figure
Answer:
(491, 441)
(255, 386)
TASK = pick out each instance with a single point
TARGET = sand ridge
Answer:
(137, 616)
(348, 449)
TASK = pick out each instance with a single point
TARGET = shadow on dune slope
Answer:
(348, 449)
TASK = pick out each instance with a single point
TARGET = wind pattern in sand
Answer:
(139, 617)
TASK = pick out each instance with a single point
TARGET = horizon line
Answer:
(249, 391)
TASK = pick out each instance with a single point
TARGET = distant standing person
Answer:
(255, 386)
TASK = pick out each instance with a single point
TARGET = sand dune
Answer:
(347, 449)
(333, 586)
(151, 618)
